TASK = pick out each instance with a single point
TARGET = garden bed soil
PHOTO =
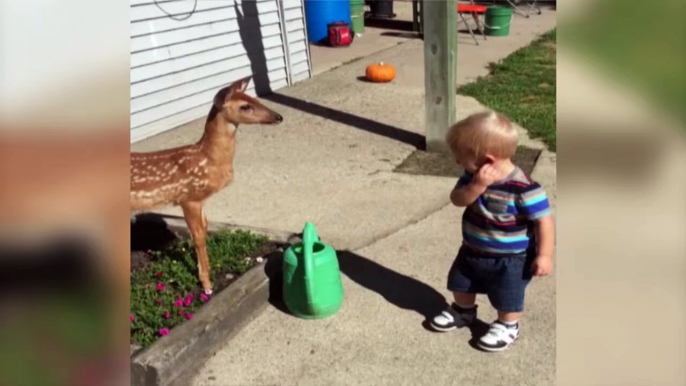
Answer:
(442, 165)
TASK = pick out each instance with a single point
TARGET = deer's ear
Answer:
(225, 94)
(240, 85)
(221, 97)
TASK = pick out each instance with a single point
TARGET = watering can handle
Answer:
(309, 238)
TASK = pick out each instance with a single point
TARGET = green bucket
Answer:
(357, 16)
(498, 21)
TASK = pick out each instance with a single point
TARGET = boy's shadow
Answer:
(400, 290)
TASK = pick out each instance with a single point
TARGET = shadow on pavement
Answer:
(251, 37)
(400, 290)
(382, 129)
(389, 24)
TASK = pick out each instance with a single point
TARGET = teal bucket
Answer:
(498, 20)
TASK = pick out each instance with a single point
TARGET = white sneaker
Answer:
(499, 337)
(453, 317)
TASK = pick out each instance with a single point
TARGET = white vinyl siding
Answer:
(298, 49)
(177, 66)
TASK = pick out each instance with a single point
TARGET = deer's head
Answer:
(235, 106)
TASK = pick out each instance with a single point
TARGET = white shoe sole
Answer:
(493, 349)
(442, 329)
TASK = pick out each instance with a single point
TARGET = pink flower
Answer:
(167, 315)
(131, 317)
(204, 297)
(158, 274)
(160, 286)
(164, 331)
(189, 316)
(188, 301)
(182, 313)
(178, 303)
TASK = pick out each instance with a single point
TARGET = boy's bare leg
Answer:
(509, 317)
(464, 299)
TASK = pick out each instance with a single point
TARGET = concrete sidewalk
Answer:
(331, 160)
(378, 337)
(331, 163)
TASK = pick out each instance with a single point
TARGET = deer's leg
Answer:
(197, 223)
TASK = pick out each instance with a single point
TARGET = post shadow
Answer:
(413, 139)
(251, 37)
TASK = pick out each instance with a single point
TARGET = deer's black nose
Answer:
(278, 118)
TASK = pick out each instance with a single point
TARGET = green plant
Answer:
(523, 87)
(167, 292)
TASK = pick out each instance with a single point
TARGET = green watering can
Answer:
(312, 287)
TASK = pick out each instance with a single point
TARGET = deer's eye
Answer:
(246, 108)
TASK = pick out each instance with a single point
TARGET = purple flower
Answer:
(204, 297)
(182, 313)
(160, 286)
(167, 315)
(188, 301)
(189, 316)
(131, 317)
(164, 331)
(178, 303)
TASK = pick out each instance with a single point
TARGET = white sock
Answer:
(513, 324)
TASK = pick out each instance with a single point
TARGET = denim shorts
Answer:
(503, 278)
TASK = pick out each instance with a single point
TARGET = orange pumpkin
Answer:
(380, 72)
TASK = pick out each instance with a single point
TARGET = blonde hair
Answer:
(483, 133)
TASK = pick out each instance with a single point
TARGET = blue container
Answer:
(320, 13)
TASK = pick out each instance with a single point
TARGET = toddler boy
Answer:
(507, 229)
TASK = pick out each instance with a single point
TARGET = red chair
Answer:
(475, 11)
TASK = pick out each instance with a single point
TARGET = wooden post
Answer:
(439, 20)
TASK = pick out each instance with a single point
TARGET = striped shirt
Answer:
(500, 221)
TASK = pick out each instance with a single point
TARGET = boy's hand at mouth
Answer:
(486, 175)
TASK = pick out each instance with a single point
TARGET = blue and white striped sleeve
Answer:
(533, 203)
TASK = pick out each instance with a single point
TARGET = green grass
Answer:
(522, 86)
(175, 268)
